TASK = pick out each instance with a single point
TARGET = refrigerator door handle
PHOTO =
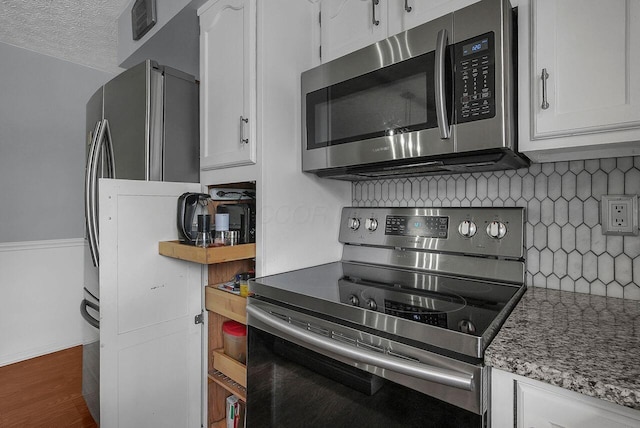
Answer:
(111, 160)
(86, 315)
(89, 196)
(93, 188)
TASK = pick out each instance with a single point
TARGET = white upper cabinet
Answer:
(405, 14)
(580, 82)
(227, 83)
(348, 25)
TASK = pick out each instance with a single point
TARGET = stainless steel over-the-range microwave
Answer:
(438, 98)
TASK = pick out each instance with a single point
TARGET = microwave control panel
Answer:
(475, 78)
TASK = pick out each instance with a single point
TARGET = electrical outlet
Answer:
(619, 214)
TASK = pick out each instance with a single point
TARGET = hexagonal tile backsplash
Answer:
(565, 245)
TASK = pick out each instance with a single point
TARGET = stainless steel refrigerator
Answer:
(141, 125)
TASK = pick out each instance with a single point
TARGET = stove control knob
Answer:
(466, 326)
(496, 230)
(371, 224)
(371, 304)
(467, 228)
(354, 223)
(353, 299)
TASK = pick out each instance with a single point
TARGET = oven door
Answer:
(307, 371)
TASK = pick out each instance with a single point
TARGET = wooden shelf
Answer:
(229, 384)
(220, 424)
(206, 256)
(231, 368)
(226, 304)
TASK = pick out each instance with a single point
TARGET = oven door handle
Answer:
(430, 373)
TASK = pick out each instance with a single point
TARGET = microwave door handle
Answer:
(439, 73)
(439, 375)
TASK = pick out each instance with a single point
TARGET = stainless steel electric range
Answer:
(394, 333)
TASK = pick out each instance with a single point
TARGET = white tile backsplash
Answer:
(565, 246)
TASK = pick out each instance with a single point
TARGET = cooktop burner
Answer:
(464, 305)
(442, 278)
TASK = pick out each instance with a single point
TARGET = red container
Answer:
(234, 336)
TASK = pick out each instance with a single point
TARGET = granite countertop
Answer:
(580, 342)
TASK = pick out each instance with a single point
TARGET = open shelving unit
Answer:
(226, 375)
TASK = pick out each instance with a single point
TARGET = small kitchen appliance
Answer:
(395, 332)
(242, 218)
(190, 205)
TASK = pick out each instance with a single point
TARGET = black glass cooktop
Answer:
(440, 310)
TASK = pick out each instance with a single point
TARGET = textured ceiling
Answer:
(80, 31)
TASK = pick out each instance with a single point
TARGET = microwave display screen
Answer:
(475, 47)
(389, 101)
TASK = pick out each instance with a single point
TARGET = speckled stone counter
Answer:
(580, 342)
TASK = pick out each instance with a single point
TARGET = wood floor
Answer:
(44, 392)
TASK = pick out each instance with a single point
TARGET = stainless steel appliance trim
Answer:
(439, 73)
(509, 247)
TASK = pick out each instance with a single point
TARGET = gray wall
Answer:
(42, 136)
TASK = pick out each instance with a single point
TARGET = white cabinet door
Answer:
(539, 407)
(150, 348)
(348, 25)
(228, 83)
(406, 14)
(535, 404)
(590, 50)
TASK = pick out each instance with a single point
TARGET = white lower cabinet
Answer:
(520, 402)
(579, 91)
(150, 347)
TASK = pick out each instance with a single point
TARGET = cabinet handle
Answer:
(374, 3)
(407, 8)
(243, 121)
(545, 76)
